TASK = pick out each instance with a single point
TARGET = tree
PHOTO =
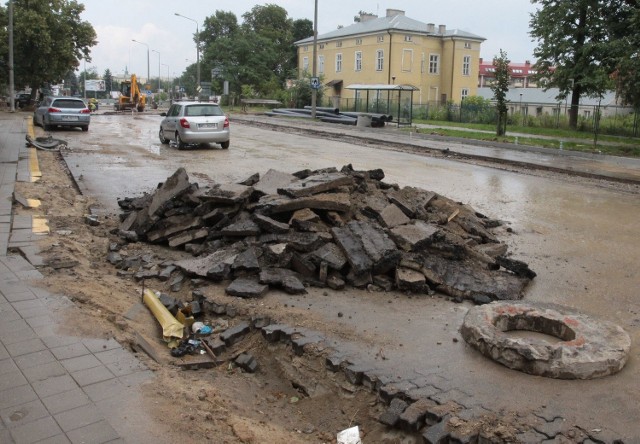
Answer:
(500, 87)
(626, 70)
(302, 29)
(49, 39)
(573, 47)
(108, 81)
(230, 49)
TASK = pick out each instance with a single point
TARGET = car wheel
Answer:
(225, 145)
(85, 128)
(180, 143)
(35, 120)
(163, 140)
(46, 126)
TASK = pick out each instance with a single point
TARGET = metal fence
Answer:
(612, 120)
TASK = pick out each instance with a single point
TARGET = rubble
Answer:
(324, 228)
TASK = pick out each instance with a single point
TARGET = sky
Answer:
(504, 23)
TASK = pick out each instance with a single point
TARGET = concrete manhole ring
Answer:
(587, 349)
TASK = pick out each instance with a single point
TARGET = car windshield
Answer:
(67, 103)
(203, 110)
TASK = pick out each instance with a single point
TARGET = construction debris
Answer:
(323, 228)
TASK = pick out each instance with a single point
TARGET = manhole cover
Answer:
(587, 348)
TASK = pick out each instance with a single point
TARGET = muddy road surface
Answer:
(579, 235)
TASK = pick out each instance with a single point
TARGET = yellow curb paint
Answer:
(34, 166)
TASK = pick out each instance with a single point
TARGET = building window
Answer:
(305, 63)
(358, 61)
(321, 45)
(434, 64)
(466, 65)
(338, 44)
(467, 45)
(407, 60)
(305, 48)
(380, 38)
(465, 93)
(408, 38)
(321, 64)
(339, 62)
(379, 60)
(358, 41)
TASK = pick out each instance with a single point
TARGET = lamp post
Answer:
(12, 92)
(197, 46)
(158, 52)
(168, 80)
(314, 92)
(133, 40)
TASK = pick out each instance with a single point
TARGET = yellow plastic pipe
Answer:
(171, 328)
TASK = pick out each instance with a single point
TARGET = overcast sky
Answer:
(504, 23)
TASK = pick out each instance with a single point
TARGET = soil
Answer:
(289, 398)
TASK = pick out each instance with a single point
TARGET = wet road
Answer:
(580, 238)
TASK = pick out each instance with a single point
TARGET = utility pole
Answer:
(314, 91)
(12, 87)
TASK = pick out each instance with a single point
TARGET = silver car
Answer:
(189, 123)
(62, 111)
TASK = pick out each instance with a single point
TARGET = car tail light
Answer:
(54, 110)
(85, 111)
(184, 123)
(226, 122)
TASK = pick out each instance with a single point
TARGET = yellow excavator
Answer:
(130, 96)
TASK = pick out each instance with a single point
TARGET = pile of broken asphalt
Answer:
(324, 228)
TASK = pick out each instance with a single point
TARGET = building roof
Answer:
(525, 69)
(398, 23)
(540, 96)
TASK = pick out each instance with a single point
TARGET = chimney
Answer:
(367, 17)
(527, 63)
(431, 28)
(394, 12)
(442, 29)
(480, 61)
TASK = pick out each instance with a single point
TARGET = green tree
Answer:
(500, 88)
(302, 28)
(50, 38)
(626, 69)
(108, 81)
(275, 29)
(573, 43)
(71, 82)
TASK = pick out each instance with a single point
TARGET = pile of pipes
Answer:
(333, 115)
(325, 228)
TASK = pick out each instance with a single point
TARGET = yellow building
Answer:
(441, 64)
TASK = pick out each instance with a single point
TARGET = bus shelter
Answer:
(394, 100)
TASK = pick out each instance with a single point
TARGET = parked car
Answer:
(20, 100)
(188, 123)
(62, 111)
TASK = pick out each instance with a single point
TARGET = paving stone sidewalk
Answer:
(54, 388)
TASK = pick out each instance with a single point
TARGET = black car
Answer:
(21, 100)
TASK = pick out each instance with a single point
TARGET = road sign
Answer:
(315, 83)
(199, 88)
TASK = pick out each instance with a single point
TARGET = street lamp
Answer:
(158, 52)
(197, 46)
(133, 40)
(169, 88)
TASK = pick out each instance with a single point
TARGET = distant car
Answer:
(188, 123)
(62, 111)
(20, 100)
